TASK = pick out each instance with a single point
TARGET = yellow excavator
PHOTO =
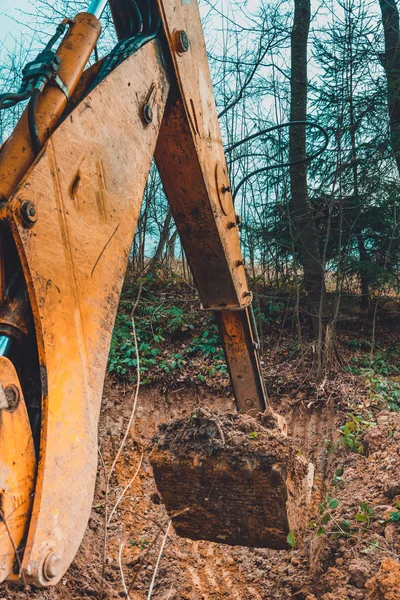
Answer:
(72, 177)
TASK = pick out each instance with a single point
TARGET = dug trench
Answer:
(346, 552)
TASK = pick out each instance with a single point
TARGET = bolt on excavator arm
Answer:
(69, 205)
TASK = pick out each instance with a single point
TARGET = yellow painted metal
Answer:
(18, 468)
(87, 187)
(17, 459)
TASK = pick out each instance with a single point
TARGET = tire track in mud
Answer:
(209, 576)
(211, 571)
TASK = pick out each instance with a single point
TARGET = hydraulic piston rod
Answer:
(96, 7)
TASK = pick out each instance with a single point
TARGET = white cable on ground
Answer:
(121, 570)
(125, 490)
(134, 402)
(108, 478)
(169, 593)
(153, 579)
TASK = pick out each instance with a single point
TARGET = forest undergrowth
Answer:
(179, 345)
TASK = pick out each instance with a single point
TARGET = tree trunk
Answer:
(164, 236)
(362, 251)
(391, 64)
(364, 278)
(170, 255)
(306, 233)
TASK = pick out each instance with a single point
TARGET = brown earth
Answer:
(230, 478)
(357, 562)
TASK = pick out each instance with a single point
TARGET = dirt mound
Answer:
(386, 583)
(208, 433)
(231, 479)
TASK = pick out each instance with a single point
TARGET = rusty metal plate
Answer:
(183, 29)
(87, 188)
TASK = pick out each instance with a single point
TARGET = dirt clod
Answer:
(386, 583)
(359, 571)
(228, 478)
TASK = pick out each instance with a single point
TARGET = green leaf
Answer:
(395, 516)
(252, 436)
(326, 518)
(322, 508)
(291, 539)
(361, 517)
(321, 531)
(333, 503)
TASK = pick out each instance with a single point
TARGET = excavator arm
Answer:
(72, 177)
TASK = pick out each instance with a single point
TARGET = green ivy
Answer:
(352, 432)
(168, 336)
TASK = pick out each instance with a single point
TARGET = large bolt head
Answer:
(28, 213)
(13, 397)
(51, 565)
(147, 113)
(181, 41)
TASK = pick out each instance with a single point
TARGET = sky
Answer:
(10, 13)
(16, 26)
(13, 21)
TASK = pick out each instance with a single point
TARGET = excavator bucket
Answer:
(231, 479)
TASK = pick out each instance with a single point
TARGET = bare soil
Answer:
(359, 562)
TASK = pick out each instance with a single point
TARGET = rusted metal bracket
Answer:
(193, 169)
(190, 152)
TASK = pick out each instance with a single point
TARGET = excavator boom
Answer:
(72, 178)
